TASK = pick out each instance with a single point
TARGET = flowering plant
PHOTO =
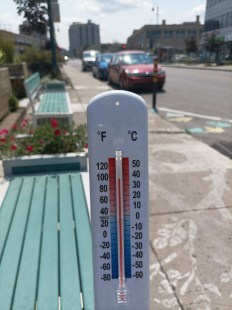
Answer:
(48, 138)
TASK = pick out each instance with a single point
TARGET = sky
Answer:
(117, 18)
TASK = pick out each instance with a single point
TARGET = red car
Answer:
(129, 69)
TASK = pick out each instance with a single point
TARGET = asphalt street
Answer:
(197, 101)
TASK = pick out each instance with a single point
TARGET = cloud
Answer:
(198, 10)
(112, 6)
(7, 22)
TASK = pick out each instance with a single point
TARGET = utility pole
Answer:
(155, 73)
(52, 39)
(157, 23)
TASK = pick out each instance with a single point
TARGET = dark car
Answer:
(131, 69)
(88, 58)
(100, 66)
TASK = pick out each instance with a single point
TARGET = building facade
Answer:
(165, 39)
(83, 36)
(218, 19)
(22, 41)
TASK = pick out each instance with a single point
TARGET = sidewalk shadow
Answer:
(143, 90)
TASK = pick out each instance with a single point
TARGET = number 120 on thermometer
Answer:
(118, 167)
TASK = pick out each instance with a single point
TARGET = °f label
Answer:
(118, 159)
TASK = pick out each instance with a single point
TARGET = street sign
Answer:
(118, 167)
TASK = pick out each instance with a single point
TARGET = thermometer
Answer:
(118, 169)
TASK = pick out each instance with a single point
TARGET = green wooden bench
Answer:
(45, 244)
(53, 102)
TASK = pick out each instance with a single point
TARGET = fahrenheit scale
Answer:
(118, 159)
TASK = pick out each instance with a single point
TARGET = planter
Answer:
(36, 164)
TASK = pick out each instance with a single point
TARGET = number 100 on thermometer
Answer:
(118, 167)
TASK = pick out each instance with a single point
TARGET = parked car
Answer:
(88, 58)
(131, 69)
(100, 66)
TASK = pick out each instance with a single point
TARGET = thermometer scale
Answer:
(118, 159)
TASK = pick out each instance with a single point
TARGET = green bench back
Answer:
(45, 244)
(32, 86)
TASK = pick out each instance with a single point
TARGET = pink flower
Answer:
(29, 148)
(86, 145)
(15, 127)
(53, 123)
(41, 141)
(57, 132)
(13, 147)
(4, 132)
(24, 123)
(3, 139)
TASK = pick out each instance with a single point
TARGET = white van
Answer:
(88, 58)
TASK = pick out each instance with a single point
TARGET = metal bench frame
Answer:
(37, 98)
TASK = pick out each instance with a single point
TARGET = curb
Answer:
(198, 68)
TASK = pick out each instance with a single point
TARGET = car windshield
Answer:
(106, 58)
(90, 54)
(135, 58)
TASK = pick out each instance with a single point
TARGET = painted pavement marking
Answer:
(214, 118)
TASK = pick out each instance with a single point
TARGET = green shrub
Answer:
(49, 138)
(35, 55)
(7, 50)
(2, 57)
(13, 103)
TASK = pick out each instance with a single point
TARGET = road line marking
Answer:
(215, 118)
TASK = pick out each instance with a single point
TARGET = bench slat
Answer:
(7, 211)
(53, 102)
(69, 273)
(48, 289)
(25, 293)
(83, 235)
(12, 253)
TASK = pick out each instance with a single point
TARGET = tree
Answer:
(191, 45)
(35, 12)
(6, 50)
(213, 43)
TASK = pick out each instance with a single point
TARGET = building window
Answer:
(168, 34)
(219, 22)
(180, 34)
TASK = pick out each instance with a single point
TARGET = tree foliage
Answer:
(191, 45)
(213, 42)
(35, 13)
(6, 50)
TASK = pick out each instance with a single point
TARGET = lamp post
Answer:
(157, 22)
(52, 38)
(157, 12)
(155, 73)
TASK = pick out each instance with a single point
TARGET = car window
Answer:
(134, 58)
(115, 60)
(106, 58)
(90, 54)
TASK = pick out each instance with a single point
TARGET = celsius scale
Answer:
(118, 159)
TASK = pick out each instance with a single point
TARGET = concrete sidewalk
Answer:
(190, 212)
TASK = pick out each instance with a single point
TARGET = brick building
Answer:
(166, 39)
